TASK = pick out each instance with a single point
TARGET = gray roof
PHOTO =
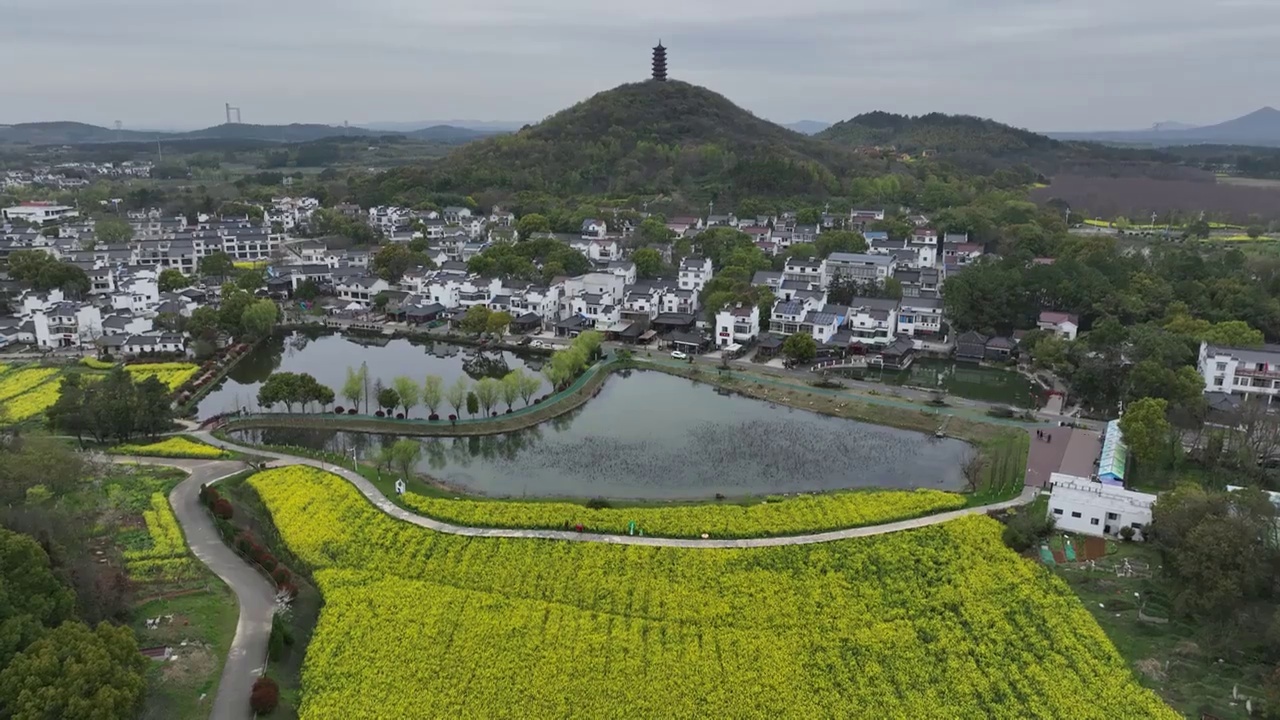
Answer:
(789, 308)
(1269, 354)
(858, 258)
(766, 277)
(921, 302)
(816, 317)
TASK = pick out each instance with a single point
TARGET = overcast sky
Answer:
(1042, 64)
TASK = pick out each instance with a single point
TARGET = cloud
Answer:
(1045, 64)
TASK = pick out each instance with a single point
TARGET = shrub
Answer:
(399, 416)
(452, 417)
(537, 401)
(282, 576)
(265, 696)
(338, 409)
(598, 504)
(1126, 533)
(245, 543)
(433, 416)
(1001, 412)
(267, 561)
(275, 643)
(1025, 529)
(352, 411)
(222, 509)
(380, 414)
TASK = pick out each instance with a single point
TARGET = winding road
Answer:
(254, 594)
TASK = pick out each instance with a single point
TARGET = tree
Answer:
(648, 262)
(408, 391)
(75, 672)
(32, 599)
(388, 399)
(653, 230)
(264, 696)
(231, 310)
(1146, 430)
(112, 230)
(293, 388)
(259, 319)
(44, 272)
(250, 279)
(845, 241)
(171, 280)
(432, 392)
(457, 395)
(404, 456)
(1254, 232)
(589, 343)
(532, 223)
(203, 323)
(353, 387)
(308, 290)
(497, 323)
(800, 347)
(473, 403)
(217, 264)
(393, 261)
(1216, 547)
(487, 392)
(155, 407)
(475, 320)
(511, 383)
(529, 384)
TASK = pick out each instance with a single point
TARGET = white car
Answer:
(679, 355)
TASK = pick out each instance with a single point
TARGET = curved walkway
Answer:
(376, 497)
(255, 596)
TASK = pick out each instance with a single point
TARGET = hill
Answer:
(939, 132)
(75, 133)
(1260, 127)
(648, 137)
(808, 127)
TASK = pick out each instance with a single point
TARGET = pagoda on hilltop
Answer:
(660, 63)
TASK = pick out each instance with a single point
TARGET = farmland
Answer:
(1138, 197)
(940, 622)
(176, 447)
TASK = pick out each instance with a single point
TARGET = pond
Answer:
(327, 356)
(653, 436)
(965, 380)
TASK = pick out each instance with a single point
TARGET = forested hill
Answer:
(648, 137)
(939, 132)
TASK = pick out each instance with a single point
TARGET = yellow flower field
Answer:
(20, 381)
(172, 374)
(167, 557)
(175, 447)
(791, 516)
(33, 402)
(942, 622)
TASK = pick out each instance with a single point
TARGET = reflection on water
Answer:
(655, 436)
(327, 356)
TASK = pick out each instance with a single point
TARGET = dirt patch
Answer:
(1094, 548)
(1187, 648)
(190, 664)
(1151, 668)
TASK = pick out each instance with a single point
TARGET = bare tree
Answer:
(973, 467)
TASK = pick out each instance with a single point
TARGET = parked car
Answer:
(679, 355)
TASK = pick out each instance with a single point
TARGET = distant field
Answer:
(1249, 182)
(1137, 197)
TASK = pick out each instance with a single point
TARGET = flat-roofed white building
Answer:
(1082, 506)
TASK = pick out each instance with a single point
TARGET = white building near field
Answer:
(1082, 506)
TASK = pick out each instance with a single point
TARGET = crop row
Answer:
(939, 622)
(175, 447)
(166, 534)
(32, 402)
(790, 516)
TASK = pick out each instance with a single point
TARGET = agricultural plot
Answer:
(939, 622)
(166, 558)
(174, 375)
(176, 447)
(789, 516)
(27, 392)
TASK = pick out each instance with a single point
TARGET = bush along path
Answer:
(379, 500)
(254, 594)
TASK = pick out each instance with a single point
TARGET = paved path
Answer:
(254, 594)
(376, 497)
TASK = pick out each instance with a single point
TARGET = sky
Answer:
(1041, 64)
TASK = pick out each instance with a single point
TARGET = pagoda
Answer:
(660, 63)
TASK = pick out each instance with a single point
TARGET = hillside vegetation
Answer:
(647, 137)
(937, 131)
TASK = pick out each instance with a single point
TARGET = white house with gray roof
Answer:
(1250, 372)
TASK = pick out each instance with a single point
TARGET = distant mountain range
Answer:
(1260, 127)
(487, 126)
(73, 133)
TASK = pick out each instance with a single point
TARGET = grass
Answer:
(1179, 660)
(200, 633)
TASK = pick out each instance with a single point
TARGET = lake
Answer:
(653, 436)
(327, 356)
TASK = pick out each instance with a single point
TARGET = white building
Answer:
(1080, 506)
(694, 273)
(860, 267)
(1241, 371)
(1064, 325)
(925, 242)
(39, 212)
(737, 325)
